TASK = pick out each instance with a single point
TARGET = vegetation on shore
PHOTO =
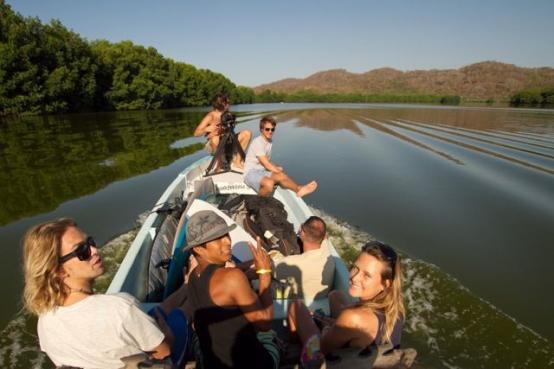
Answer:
(268, 96)
(534, 97)
(46, 68)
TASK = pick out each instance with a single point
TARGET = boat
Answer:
(145, 271)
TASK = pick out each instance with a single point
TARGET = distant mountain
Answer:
(477, 82)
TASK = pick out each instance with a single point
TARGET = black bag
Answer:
(266, 214)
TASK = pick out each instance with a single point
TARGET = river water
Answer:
(465, 194)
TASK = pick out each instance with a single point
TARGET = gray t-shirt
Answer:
(258, 147)
(97, 332)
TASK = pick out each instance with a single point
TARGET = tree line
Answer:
(308, 96)
(46, 68)
(534, 97)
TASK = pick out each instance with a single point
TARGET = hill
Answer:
(475, 82)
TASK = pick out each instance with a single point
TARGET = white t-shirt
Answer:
(258, 147)
(97, 332)
(310, 274)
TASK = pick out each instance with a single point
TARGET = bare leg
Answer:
(337, 303)
(214, 142)
(266, 186)
(244, 139)
(283, 180)
(300, 321)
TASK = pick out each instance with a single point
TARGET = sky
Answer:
(253, 42)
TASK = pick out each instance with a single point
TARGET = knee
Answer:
(294, 305)
(280, 176)
(246, 134)
(267, 183)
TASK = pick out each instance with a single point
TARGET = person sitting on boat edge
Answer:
(260, 173)
(313, 270)
(378, 316)
(76, 327)
(232, 322)
(210, 126)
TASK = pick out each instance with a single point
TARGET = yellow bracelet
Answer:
(263, 271)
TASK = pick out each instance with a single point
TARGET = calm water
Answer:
(466, 194)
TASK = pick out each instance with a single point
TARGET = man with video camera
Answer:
(211, 126)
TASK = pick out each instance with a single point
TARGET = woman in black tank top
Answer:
(375, 280)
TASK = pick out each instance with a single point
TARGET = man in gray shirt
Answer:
(263, 175)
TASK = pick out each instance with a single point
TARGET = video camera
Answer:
(228, 122)
(228, 146)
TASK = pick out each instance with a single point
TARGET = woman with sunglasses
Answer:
(377, 316)
(77, 327)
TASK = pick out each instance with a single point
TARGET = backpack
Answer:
(266, 218)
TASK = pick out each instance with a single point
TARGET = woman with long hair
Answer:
(377, 316)
(77, 327)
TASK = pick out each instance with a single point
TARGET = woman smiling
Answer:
(377, 317)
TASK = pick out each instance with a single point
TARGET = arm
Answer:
(206, 126)
(257, 309)
(140, 328)
(350, 326)
(162, 350)
(269, 165)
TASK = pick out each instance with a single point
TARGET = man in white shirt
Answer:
(263, 175)
(311, 273)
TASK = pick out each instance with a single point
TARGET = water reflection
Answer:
(46, 161)
(326, 120)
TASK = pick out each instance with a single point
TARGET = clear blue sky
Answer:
(260, 41)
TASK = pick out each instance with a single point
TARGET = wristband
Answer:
(263, 271)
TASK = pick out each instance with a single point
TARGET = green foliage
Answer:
(50, 69)
(534, 97)
(268, 96)
(450, 100)
(43, 68)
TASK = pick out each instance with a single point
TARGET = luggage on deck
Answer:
(264, 217)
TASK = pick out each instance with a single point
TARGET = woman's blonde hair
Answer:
(389, 301)
(44, 288)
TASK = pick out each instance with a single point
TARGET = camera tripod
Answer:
(226, 149)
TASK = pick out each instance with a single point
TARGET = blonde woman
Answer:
(77, 327)
(377, 317)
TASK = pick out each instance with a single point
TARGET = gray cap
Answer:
(205, 226)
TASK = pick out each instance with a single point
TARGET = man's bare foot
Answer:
(307, 189)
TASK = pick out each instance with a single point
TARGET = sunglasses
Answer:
(387, 251)
(269, 129)
(82, 251)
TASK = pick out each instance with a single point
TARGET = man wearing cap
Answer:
(232, 322)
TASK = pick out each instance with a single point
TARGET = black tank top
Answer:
(227, 339)
(396, 334)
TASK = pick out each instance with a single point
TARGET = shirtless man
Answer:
(210, 127)
(260, 173)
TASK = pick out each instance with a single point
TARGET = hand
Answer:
(211, 128)
(260, 256)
